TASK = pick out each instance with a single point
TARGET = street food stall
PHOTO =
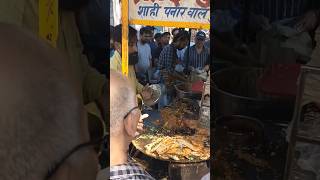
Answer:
(176, 140)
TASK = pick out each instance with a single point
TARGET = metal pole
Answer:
(187, 71)
(125, 25)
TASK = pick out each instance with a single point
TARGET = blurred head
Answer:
(165, 38)
(151, 28)
(181, 40)
(200, 38)
(124, 114)
(42, 115)
(157, 37)
(132, 44)
(175, 31)
(146, 35)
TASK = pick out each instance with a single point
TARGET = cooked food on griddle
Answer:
(170, 117)
(174, 147)
(173, 119)
(184, 131)
(179, 138)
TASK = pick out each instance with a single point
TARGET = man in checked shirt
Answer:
(168, 58)
(198, 53)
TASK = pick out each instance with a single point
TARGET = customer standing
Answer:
(154, 49)
(165, 39)
(198, 53)
(116, 61)
(153, 43)
(157, 38)
(168, 57)
(144, 54)
(167, 61)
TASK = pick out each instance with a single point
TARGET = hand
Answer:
(140, 124)
(146, 92)
(308, 22)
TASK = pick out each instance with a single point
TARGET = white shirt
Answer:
(180, 53)
(144, 53)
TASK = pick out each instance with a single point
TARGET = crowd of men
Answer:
(158, 51)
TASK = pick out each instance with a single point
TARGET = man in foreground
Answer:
(26, 14)
(42, 114)
(124, 119)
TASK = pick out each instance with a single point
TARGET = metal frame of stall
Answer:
(296, 134)
(204, 109)
(126, 23)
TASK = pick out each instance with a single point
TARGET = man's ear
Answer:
(130, 125)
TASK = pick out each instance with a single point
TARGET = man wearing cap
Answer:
(198, 53)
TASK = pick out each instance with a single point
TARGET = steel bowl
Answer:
(155, 96)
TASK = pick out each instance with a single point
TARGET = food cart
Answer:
(175, 144)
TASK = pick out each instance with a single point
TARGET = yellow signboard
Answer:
(193, 25)
(48, 21)
(171, 13)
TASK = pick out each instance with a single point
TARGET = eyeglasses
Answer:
(81, 146)
(75, 149)
(125, 116)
